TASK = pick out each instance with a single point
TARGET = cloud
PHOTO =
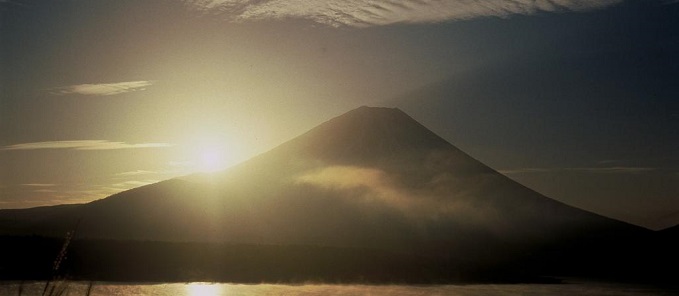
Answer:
(101, 89)
(526, 171)
(45, 191)
(376, 186)
(137, 173)
(363, 13)
(38, 194)
(374, 183)
(38, 185)
(83, 145)
(613, 170)
(609, 170)
(135, 183)
(346, 177)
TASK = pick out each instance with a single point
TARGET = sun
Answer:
(210, 152)
(212, 159)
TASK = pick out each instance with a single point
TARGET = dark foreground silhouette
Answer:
(32, 258)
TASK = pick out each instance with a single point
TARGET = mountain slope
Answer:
(523, 114)
(372, 177)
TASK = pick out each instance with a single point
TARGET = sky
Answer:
(575, 99)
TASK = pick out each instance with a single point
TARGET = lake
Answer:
(569, 287)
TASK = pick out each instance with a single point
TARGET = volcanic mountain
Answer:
(370, 178)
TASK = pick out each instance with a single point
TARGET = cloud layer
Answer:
(83, 145)
(611, 170)
(101, 89)
(363, 13)
(422, 204)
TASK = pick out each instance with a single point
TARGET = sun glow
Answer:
(212, 159)
(213, 152)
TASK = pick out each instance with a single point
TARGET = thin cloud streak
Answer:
(137, 173)
(83, 145)
(134, 183)
(365, 13)
(613, 170)
(101, 89)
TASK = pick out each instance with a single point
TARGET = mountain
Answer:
(522, 114)
(371, 178)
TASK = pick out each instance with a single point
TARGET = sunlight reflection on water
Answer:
(218, 289)
(205, 289)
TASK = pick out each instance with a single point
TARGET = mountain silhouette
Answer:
(370, 178)
(521, 113)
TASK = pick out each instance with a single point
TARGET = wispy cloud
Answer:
(101, 89)
(134, 183)
(137, 173)
(38, 185)
(377, 186)
(613, 170)
(163, 174)
(83, 145)
(525, 171)
(39, 194)
(363, 13)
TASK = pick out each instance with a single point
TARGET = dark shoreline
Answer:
(31, 258)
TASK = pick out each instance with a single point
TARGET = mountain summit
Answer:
(372, 177)
(366, 134)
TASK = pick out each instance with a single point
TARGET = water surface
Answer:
(570, 287)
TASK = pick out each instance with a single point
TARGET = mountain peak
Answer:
(373, 110)
(367, 115)
(383, 113)
(368, 133)
(372, 177)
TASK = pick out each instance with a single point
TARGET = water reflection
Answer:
(572, 287)
(203, 289)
